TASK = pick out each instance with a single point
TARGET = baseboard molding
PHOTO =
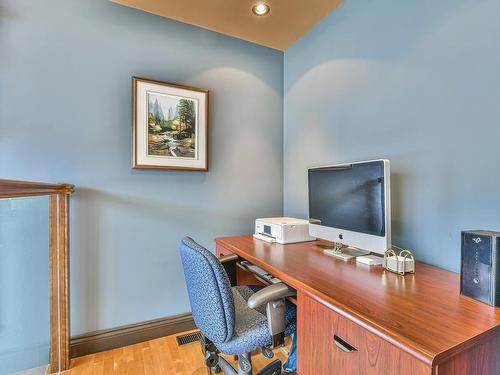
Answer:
(106, 339)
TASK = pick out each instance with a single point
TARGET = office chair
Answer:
(235, 320)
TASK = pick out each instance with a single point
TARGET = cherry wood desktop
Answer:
(409, 325)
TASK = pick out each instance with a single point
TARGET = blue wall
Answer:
(24, 284)
(417, 82)
(65, 116)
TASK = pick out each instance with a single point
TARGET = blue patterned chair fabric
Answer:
(219, 310)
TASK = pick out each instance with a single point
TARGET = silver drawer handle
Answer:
(344, 346)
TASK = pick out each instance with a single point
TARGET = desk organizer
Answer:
(401, 263)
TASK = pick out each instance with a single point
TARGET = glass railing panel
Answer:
(24, 285)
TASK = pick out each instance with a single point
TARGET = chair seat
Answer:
(251, 330)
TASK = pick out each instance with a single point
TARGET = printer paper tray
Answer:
(263, 237)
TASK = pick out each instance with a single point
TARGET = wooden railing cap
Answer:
(15, 189)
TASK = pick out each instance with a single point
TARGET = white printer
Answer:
(282, 230)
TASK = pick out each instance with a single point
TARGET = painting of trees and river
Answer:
(171, 126)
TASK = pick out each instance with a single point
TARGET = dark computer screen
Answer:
(349, 197)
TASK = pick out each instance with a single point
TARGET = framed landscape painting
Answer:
(170, 126)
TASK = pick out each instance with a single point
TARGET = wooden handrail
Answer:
(58, 207)
(15, 189)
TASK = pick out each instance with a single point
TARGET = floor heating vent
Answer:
(189, 338)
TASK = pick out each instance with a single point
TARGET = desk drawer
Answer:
(328, 344)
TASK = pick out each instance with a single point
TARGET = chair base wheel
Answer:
(267, 352)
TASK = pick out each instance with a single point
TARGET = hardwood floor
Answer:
(156, 357)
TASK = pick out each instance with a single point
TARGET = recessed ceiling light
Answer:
(261, 9)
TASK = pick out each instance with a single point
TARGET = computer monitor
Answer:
(351, 204)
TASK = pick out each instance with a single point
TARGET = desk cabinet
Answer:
(321, 329)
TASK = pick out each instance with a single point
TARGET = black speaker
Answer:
(479, 277)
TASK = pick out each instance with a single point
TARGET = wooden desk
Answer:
(416, 324)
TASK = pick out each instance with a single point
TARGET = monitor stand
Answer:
(354, 252)
(342, 251)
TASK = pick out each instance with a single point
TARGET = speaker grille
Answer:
(189, 338)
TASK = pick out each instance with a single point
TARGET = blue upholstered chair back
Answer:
(209, 291)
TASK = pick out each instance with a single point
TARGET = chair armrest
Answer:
(270, 293)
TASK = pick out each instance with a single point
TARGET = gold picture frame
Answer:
(169, 126)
